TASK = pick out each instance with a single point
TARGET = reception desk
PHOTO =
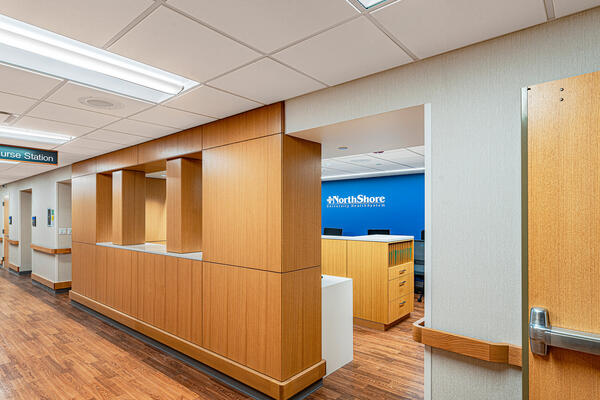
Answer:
(382, 270)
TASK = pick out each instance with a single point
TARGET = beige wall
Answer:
(475, 235)
(44, 195)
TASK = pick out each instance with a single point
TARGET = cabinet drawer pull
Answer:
(401, 272)
(403, 303)
(402, 283)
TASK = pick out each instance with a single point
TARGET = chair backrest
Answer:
(419, 251)
(332, 231)
(378, 232)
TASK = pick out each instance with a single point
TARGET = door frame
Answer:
(524, 248)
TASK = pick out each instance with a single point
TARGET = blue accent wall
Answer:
(402, 209)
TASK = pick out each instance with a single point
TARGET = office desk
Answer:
(382, 270)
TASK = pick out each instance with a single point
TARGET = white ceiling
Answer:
(244, 53)
(372, 164)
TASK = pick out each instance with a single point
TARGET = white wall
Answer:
(44, 195)
(475, 172)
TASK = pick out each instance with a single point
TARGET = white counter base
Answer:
(336, 322)
(154, 248)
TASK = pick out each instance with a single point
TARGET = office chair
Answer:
(420, 269)
(378, 232)
(332, 231)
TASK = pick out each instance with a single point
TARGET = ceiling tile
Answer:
(72, 94)
(436, 26)
(267, 81)
(347, 52)
(566, 7)
(171, 117)
(88, 147)
(402, 156)
(25, 83)
(345, 167)
(115, 137)
(4, 166)
(93, 22)
(13, 104)
(24, 170)
(168, 40)
(265, 24)
(140, 128)
(52, 126)
(27, 143)
(57, 112)
(208, 101)
(65, 158)
(365, 160)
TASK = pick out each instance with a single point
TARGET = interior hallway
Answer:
(51, 350)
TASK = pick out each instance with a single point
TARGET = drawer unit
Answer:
(400, 271)
(401, 287)
(400, 307)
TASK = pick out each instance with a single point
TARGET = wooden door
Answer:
(564, 229)
(5, 235)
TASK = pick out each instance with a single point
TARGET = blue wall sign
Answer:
(396, 203)
(26, 154)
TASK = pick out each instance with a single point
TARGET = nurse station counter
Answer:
(382, 270)
(220, 260)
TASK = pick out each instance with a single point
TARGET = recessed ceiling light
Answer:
(343, 148)
(36, 49)
(370, 3)
(98, 102)
(10, 132)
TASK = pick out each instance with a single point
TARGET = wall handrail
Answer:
(502, 353)
(47, 250)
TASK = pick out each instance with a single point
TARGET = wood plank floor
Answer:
(51, 350)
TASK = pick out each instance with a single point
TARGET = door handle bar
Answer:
(542, 335)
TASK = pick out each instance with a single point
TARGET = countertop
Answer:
(154, 248)
(372, 238)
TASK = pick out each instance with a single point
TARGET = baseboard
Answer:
(12, 267)
(280, 390)
(52, 285)
(378, 325)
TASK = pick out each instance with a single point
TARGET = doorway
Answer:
(5, 207)
(25, 222)
(387, 158)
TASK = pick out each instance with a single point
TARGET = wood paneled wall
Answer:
(184, 205)
(92, 208)
(255, 300)
(129, 207)
(156, 210)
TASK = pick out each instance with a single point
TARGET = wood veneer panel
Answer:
(301, 320)
(171, 312)
(100, 279)
(214, 307)
(158, 149)
(156, 210)
(103, 208)
(119, 159)
(184, 298)
(129, 205)
(197, 290)
(301, 203)
(83, 193)
(333, 257)
(264, 121)
(184, 205)
(189, 141)
(147, 274)
(83, 267)
(241, 203)
(83, 168)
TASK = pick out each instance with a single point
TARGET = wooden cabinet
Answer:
(382, 275)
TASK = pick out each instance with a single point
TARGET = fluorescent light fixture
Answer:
(10, 132)
(8, 162)
(373, 174)
(370, 3)
(36, 49)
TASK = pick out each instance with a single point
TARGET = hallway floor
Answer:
(51, 350)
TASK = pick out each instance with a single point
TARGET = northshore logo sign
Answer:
(358, 201)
